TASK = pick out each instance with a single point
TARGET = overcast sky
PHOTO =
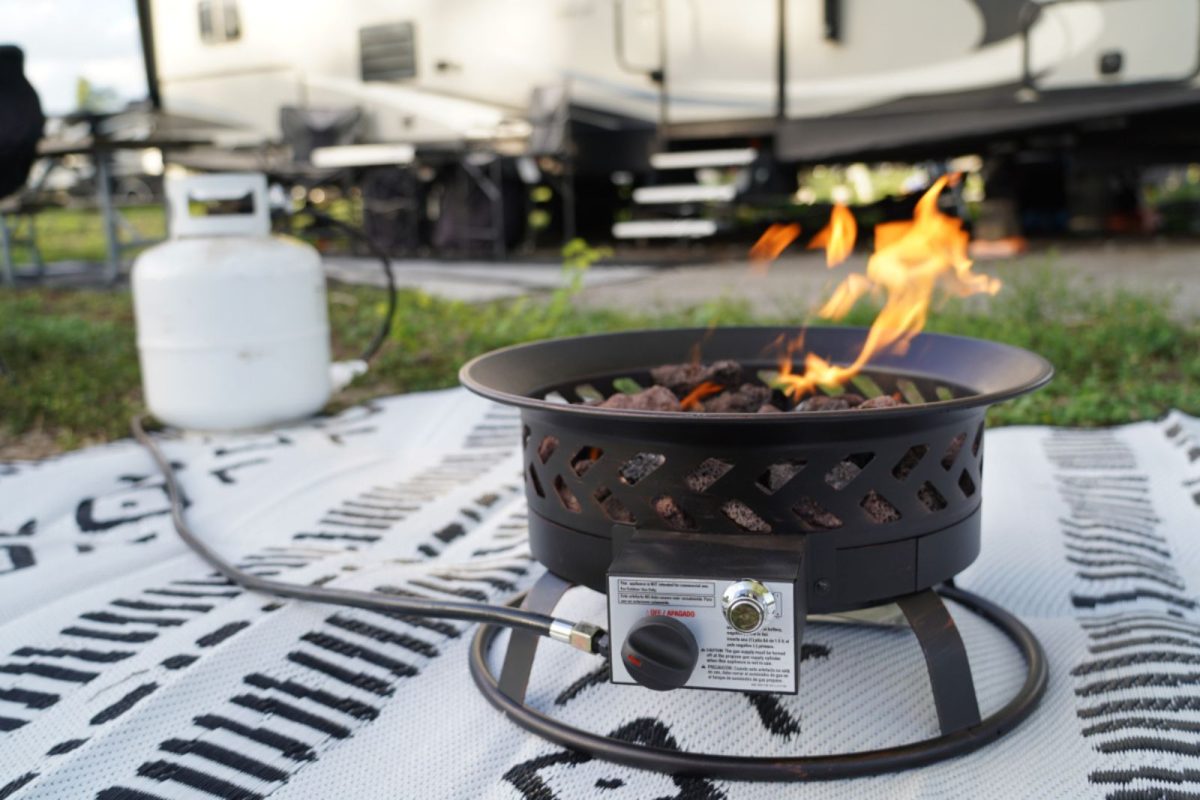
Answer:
(66, 39)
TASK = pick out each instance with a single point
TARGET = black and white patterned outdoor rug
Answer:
(129, 672)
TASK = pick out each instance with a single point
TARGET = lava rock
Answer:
(815, 517)
(640, 466)
(883, 401)
(744, 517)
(613, 507)
(879, 509)
(656, 398)
(746, 398)
(767, 408)
(546, 448)
(821, 402)
(779, 474)
(930, 498)
(672, 514)
(709, 472)
(909, 461)
(683, 378)
(953, 450)
(842, 473)
(568, 498)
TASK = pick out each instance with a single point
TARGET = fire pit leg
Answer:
(522, 645)
(946, 658)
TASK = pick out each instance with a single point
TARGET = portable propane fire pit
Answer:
(715, 533)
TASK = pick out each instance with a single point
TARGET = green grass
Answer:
(74, 379)
(76, 234)
(69, 234)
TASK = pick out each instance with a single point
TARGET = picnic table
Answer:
(100, 148)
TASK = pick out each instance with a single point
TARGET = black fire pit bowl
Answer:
(888, 498)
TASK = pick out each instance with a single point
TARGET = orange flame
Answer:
(911, 259)
(837, 237)
(699, 393)
(774, 241)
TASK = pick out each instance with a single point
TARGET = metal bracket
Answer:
(522, 645)
(946, 659)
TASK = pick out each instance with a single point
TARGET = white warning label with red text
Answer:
(763, 661)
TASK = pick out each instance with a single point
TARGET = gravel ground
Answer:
(802, 279)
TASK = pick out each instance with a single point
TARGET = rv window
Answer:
(388, 52)
(233, 25)
(219, 22)
(206, 20)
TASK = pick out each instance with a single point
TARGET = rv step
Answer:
(698, 159)
(665, 229)
(685, 193)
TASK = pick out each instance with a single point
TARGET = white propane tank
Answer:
(232, 330)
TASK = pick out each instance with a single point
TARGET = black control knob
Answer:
(660, 653)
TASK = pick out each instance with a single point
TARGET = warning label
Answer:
(760, 661)
(763, 661)
(654, 592)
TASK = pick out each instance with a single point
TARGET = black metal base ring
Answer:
(799, 768)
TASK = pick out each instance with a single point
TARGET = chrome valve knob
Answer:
(747, 604)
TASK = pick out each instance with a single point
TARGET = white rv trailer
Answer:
(796, 80)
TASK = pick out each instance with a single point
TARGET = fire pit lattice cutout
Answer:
(794, 488)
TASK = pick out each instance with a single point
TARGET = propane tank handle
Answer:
(208, 188)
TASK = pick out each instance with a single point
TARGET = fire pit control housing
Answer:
(746, 630)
